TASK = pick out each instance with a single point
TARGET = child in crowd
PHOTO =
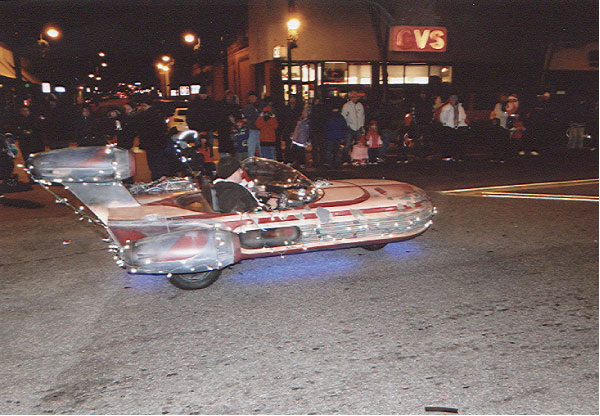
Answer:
(239, 138)
(360, 153)
(205, 149)
(374, 143)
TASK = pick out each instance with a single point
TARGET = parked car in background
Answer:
(178, 119)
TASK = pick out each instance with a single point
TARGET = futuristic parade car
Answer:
(173, 226)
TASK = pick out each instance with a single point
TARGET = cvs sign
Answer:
(418, 39)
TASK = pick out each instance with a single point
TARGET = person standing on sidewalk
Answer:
(202, 114)
(267, 124)
(454, 121)
(27, 133)
(354, 114)
(251, 112)
(335, 131)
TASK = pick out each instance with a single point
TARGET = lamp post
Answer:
(192, 39)
(292, 38)
(51, 32)
(19, 43)
(164, 66)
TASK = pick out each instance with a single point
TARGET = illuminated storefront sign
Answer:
(418, 39)
(184, 90)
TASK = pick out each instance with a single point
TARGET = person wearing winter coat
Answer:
(354, 113)
(288, 119)
(301, 139)
(239, 137)
(229, 109)
(202, 114)
(55, 123)
(335, 131)
(149, 125)
(374, 143)
(27, 133)
(267, 125)
(454, 121)
(87, 130)
(251, 112)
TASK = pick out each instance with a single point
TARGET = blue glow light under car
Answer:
(317, 265)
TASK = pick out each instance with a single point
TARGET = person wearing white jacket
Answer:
(454, 119)
(354, 114)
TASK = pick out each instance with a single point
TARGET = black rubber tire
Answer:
(374, 247)
(194, 281)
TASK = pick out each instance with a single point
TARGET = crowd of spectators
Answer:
(332, 132)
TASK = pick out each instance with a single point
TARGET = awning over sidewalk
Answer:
(7, 66)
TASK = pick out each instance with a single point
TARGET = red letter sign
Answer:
(418, 39)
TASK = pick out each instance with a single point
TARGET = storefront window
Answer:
(416, 74)
(295, 72)
(286, 91)
(442, 71)
(359, 74)
(335, 72)
(395, 74)
(308, 73)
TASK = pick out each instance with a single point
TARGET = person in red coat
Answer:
(267, 124)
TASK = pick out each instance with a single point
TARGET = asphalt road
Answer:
(494, 310)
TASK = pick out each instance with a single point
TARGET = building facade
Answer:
(337, 47)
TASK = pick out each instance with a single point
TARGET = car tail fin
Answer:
(94, 164)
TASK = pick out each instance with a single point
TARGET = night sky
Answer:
(134, 33)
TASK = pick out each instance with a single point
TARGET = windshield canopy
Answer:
(298, 189)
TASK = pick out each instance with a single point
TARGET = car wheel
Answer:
(374, 247)
(193, 281)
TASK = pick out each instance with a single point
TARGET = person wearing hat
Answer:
(233, 187)
(512, 106)
(454, 121)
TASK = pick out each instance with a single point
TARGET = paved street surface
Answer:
(494, 310)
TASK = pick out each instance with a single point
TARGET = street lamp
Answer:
(53, 32)
(50, 31)
(292, 38)
(192, 39)
(164, 67)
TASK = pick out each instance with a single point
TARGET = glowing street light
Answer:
(50, 31)
(192, 39)
(293, 24)
(164, 66)
(53, 32)
(189, 38)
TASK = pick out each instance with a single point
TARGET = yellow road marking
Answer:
(540, 196)
(503, 191)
